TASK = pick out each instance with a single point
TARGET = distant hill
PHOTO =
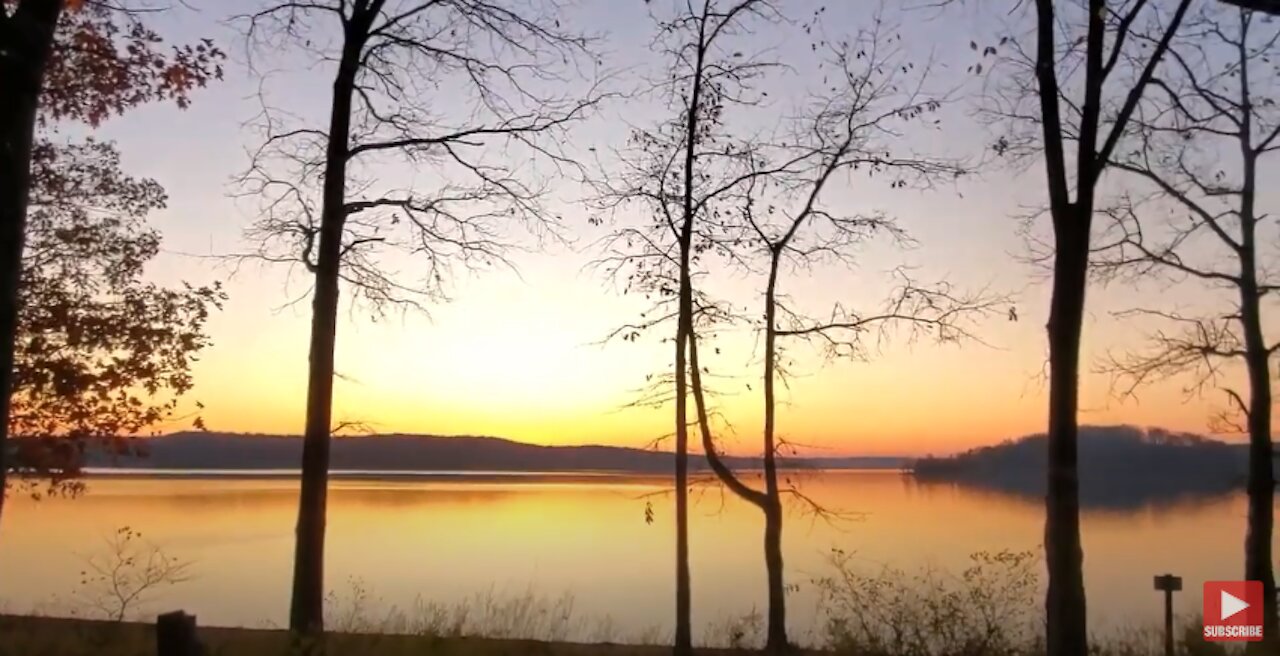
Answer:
(1120, 466)
(399, 452)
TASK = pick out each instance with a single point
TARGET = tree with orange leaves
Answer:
(69, 60)
(102, 354)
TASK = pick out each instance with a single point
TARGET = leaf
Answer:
(126, 344)
(108, 60)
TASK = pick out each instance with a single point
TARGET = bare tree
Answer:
(738, 198)
(675, 172)
(126, 573)
(782, 216)
(1075, 90)
(1195, 147)
(331, 201)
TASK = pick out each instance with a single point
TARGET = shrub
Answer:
(988, 610)
(124, 575)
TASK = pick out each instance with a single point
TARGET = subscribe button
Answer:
(1233, 611)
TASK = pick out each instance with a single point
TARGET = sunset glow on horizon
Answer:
(519, 356)
(600, 327)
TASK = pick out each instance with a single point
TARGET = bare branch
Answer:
(510, 72)
(936, 311)
(1195, 346)
(1211, 109)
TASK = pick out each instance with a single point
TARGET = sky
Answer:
(518, 355)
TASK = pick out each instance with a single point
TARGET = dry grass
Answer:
(48, 636)
(988, 609)
(991, 608)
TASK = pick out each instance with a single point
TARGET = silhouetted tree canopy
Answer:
(1121, 467)
(85, 344)
(106, 60)
(102, 353)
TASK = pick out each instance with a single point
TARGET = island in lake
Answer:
(1120, 466)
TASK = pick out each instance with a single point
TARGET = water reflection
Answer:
(446, 540)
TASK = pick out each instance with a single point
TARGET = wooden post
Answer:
(176, 635)
(1169, 584)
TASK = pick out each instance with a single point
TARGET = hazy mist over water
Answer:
(449, 540)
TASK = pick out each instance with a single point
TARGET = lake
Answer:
(408, 541)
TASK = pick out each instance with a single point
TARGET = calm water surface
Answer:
(447, 541)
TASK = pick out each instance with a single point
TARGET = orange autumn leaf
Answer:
(106, 60)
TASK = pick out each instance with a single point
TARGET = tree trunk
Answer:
(306, 613)
(1261, 483)
(684, 595)
(26, 40)
(776, 640)
(1261, 478)
(769, 503)
(684, 584)
(684, 329)
(1066, 630)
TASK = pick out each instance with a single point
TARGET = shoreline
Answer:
(478, 476)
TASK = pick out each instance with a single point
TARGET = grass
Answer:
(49, 636)
(524, 616)
(361, 624)
(990, 608)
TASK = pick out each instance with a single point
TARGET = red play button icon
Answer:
(1230, 604)
(1233, 611)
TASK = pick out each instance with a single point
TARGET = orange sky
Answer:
(514, 356)
(517, 360)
